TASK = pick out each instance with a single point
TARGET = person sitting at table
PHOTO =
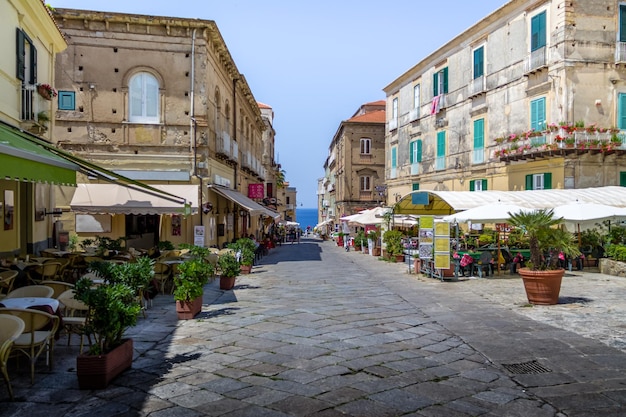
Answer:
(517, 260)
(485, 263)
(466, 264)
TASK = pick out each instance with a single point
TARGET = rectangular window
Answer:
(394, 162)
(416, 96)
(440, 162)
(621, 111)
(538, 31)
(478, 185)
(365, 146)
(479, 62)
(26, 58)
(415, 155)
(539, 181)
(622, 23)
(538, 120)
(66, 100)
(479, 141)
(394, 109)
(365, 183)
(440, 82)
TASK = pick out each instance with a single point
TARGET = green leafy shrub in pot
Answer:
(228, 265)
(393, 242)
(246, 247)
(193, 275)
(113, 305)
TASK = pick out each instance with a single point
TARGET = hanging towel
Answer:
(434, 108)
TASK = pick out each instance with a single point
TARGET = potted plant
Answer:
(542, 275)
(192, 275)
(372, 242)
(359, 240)
(393, 244)
(246, 248)
(229, 269)
(340, 236)
(113, 308)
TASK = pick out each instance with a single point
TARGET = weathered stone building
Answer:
(160, 100)
(355, 165)
(496, 108)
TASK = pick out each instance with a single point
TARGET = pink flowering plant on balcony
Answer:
(48, 88)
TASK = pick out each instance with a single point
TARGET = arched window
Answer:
(143, 98)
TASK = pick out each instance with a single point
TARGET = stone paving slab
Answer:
(317, 331)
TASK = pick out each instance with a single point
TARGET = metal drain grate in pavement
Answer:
(532, 367)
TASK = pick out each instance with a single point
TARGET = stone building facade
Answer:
(355, 166)
(160, 100)
(532, 96)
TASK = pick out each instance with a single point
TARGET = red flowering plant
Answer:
(47, 87)
(559, 138)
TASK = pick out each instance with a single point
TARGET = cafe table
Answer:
(45, 304)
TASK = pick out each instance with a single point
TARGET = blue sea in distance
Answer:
(306, 217)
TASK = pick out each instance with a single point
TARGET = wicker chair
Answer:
(162, 274)
(47, 271)
(7, 279)
(37, 337)
(10, 329)
(58, 287)
(32, 291)
(75, 316)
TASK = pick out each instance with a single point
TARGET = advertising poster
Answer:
(198, 235)
(442, 245)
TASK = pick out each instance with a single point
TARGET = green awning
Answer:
(22, 159)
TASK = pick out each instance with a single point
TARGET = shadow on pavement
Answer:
(291, 252)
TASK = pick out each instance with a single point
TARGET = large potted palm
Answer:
(542, 275)
(113, 308)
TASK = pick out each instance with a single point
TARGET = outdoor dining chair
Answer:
(31, 291)
(43, 272)
(7, 279)
(162, 275)
(58, 287)
(75, 316)
(10, 329)
(37, 337)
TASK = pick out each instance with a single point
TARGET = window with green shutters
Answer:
(415, 155)
(479, 62)
(478, 185)
(538, 120)
(394, 163)
(538, 31)
(622, 179)
(621, 111)
(440, 162)
(622, 23)
(479, 141)
(539, 181)
(440, 82)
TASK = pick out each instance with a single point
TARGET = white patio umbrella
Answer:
(492, 213)
(581, 216)
(372, 216)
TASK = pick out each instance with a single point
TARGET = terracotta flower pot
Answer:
(245, 269)
(187, 310)
(227, 283)
(96, 371)
(542, 287)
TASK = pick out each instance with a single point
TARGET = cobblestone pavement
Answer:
(317, 331)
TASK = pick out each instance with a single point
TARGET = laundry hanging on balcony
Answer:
(435, 105)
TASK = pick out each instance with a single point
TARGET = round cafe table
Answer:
(28, 302)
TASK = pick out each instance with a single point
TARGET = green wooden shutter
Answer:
(479, 134)
(472, 186)
(435, 84)
(441, 143)
(419, 150)
(412, 146)
(394, 156)
(529, 181)
(33, 64)
(622, 23)
(484, 184)
(622, 179)
(547, 181)
(621, 111)
(538, 114)
(538, 31)
(416, 186)
(445, 80)
(20, 55)
(479, 62)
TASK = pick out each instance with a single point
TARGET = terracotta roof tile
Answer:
(377, 116)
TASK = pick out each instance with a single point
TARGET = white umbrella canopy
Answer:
(588, 211)
(492, 213)
(372, 216)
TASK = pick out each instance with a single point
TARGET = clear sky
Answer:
(316, 62)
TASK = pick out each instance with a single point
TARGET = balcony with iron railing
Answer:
(478, 86)
(560, 142)
(620, 52)
(393, 124)
(536, 60)
(223, 145)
